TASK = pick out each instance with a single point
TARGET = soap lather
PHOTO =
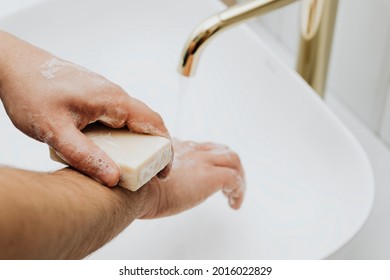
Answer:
(139, 156)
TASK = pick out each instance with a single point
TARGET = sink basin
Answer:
(309, 184)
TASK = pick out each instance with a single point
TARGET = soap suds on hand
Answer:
(180, 160)
(220, 150)
(38, 132)
(50, 69)
(116, 117)
(146, 127)
(92, 162)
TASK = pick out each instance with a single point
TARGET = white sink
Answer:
(309, 184)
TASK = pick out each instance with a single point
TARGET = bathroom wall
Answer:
(10, 6)
(359, 73)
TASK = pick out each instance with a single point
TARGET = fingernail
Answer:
(232, 201)
(226, 193)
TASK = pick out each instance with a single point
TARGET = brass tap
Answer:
(318, 17)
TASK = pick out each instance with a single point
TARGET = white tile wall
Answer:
(385, 125)
(284, 24)
(359, 71)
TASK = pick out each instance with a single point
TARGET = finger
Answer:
(226, 179)
(82, 154)
(142, 119)
(113, 117)
(210, 146)
(237, 196)
(182, 148)
(223, 158)
(232, 186)
(191, 145)
(137, 116)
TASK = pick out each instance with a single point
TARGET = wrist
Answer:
(128, 204)
(151, 199)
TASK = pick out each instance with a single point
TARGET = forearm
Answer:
(64, 215)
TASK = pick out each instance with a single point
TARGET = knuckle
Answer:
(73, 156)
(235, 158)
(119, 90)
(159, 120)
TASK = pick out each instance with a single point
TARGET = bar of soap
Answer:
(139, 156)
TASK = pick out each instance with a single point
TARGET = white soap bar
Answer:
(139, 156)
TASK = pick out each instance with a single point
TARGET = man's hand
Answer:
(198, 171)
(51, 100)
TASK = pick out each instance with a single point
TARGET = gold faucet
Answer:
(317, 25)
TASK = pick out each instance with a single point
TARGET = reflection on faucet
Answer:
(318, 17)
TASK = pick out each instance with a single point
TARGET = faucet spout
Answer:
(214, 24)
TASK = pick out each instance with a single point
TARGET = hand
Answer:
(198, 171)
(51, 100)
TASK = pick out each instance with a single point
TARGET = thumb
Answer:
(81, 153)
